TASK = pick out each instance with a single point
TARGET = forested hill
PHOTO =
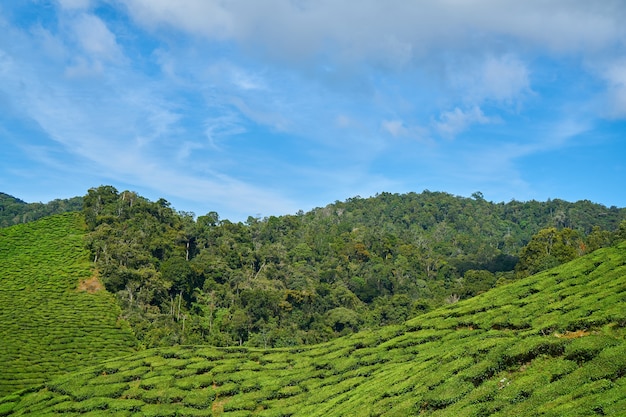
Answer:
(309, 277)
(15, 211)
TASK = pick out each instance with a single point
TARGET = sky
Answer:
(260, 108)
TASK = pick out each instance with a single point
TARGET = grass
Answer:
(549, 345)
(49, 326)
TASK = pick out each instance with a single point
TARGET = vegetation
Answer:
(552, 344)
(53, 317)
(310, 277)
(15, 211)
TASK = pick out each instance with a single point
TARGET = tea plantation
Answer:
(48, 326)
(549, 345)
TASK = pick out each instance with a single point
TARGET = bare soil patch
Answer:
(91, 285)
(573, 335)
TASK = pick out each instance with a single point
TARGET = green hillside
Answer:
(311, 277)
(48, 325)
(15, 211)
(550, 345)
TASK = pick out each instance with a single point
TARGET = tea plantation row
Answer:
(49, 327)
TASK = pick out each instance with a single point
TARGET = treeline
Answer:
(309, 277)
(15, 211)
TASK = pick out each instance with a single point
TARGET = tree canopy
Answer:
(309, 277)
(15, 211)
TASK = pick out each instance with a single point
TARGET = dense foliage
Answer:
(49, 322)
(551, 344)
(15, 211)
(307, 278)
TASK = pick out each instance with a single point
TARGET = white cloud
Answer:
(243, 80)
(343, 121)
(186, 149)
(502, 79)
(95, 38)
(124, 126)
(394, 127)
(348, 46)
(453, 122)
(49, 44)
(615, 76)
(221, 127)
(190, 115)
(82, 68)
(75, 4)
(293, 30)
(399, 129)
(199, 16)
(246, 81)
(261, 114)
(6, 63)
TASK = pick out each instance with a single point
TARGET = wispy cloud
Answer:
(267, 107)
(615, 76)
(95, 38)
(501, 79)
(120, 123)
(75, 4)
(451, 123)
(395, 127)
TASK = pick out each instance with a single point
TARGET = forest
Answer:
(310, 277)
(15, 211)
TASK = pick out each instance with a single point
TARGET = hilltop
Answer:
(16, 211)
(552, 344)
(53, 318)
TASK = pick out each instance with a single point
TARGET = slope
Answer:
(48, 326)
(15, 211)
(550, 345)
(311, 277)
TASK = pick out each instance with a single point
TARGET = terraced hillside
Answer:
(550, 345)
(48, 325)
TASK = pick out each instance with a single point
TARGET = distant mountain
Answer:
(15, 211)
(552, 344)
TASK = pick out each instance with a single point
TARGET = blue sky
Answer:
(268, 107)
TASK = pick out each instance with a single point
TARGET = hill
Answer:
(15, 211)
(552, 344)
(310, 277)
(53, 318)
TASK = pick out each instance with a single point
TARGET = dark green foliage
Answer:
(307, 278)
(500, 353)
(15, 211)
(49, 326)
(548, 248)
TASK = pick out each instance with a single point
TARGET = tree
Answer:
(178, 272)
(597, 239)
(548, 248)
(475, 282)
(343, 320)
(620, 233)
(99, 202)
